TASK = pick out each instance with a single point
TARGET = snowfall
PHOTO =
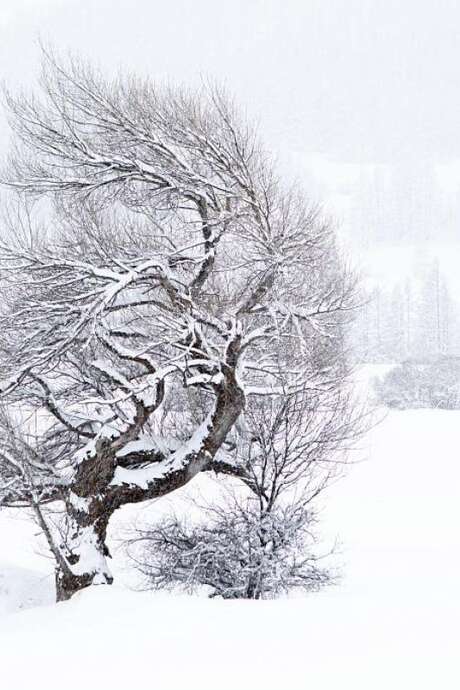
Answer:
(392, 621)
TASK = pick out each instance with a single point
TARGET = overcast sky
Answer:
(348, 81)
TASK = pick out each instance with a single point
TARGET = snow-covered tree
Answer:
(155, 278)
(433, 312)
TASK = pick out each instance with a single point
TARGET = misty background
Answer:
(359, 99)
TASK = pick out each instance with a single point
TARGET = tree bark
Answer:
(94, 495)
(84, 550)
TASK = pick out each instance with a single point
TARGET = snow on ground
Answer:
(106, 638)
(25, 575)
(22, 589)
(393, 622)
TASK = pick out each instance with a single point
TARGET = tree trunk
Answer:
(84, 551)
(67, 584)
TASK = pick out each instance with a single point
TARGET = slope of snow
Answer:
(23, 589)
(393, 622)
(26, 577)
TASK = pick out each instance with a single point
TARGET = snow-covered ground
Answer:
(393, 622)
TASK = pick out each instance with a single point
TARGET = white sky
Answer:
(339, 86)
(358, 79)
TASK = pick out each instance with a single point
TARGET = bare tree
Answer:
(155, 277)
(261, 543)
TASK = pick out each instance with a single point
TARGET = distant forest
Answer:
(414, 319)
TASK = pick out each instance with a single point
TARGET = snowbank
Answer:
(110, 638)
(23, 589)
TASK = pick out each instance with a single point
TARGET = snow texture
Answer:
(391, 623)
(144, 476)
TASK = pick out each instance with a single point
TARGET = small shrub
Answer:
(422, 384)
(239, 552)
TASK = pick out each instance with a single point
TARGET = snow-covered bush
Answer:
(415, 384)
(444, 388)
(238, 551)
